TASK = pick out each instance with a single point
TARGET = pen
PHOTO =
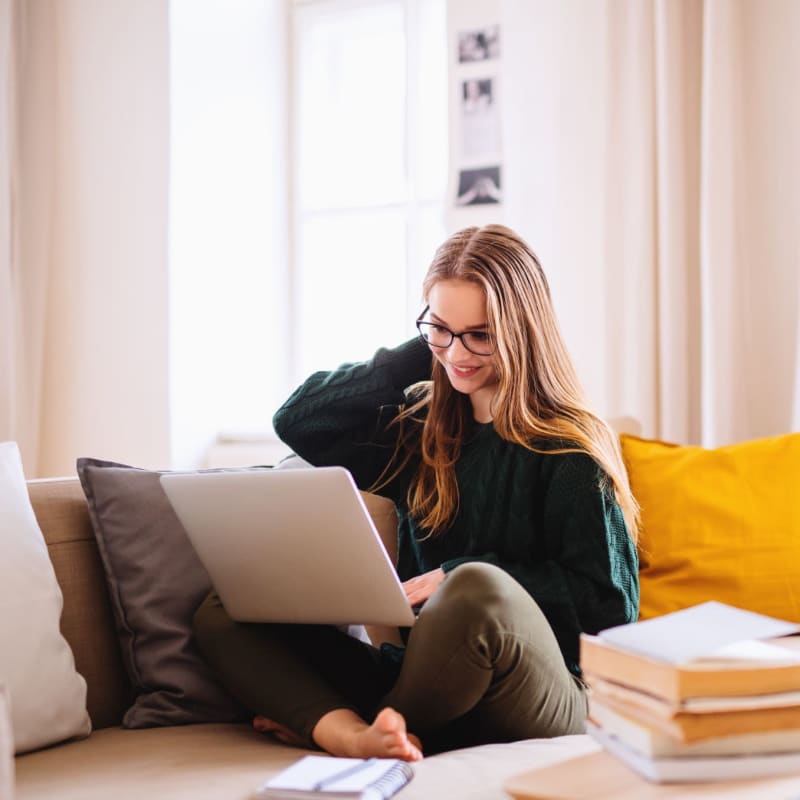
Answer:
(345, 773)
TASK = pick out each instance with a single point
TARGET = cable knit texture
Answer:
(542, 517)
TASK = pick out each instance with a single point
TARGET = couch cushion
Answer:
(155, 582)
(86, 621)
(719, 524)
(209, 762)
(47, 695)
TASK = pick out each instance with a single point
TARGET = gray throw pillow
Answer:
(156, 582)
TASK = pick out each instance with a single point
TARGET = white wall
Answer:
(463, 16)
(105, 378)
(556, 185)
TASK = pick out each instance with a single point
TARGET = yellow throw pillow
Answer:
(718, 524)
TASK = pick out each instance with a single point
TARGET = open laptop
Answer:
(294, 545)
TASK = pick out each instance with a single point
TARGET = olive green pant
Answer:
(481, 665)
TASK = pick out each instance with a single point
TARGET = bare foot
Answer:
(280, 732)
(343, 733)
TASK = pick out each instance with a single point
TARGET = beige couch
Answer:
(202, 762)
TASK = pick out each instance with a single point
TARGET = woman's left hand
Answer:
(419, 589)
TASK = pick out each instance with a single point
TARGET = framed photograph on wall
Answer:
(479, 119)
(480, 44)
(479, 186)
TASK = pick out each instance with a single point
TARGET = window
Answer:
(283, 265)
(369, 96)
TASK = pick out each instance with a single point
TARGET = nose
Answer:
(457, 350)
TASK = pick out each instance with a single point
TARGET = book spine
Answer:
(696, 727)
(630, 669)
(676, 682)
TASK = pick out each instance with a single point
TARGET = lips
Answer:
(462, 372)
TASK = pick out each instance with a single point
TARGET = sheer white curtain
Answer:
(26, 147)
(83, 242)
(653, 159)
(7, 143)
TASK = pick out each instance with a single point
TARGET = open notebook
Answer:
(326, 776)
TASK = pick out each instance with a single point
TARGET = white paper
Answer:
(740, 703)
(760, 653)
(306, 773)
(345, 776)
(695, 632)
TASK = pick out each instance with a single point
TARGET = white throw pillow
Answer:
(6, 750)
(47, 695)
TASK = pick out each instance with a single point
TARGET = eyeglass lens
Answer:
(476, 342)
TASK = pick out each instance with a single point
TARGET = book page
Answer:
(704, 705)
(694, 632)
(751, 651)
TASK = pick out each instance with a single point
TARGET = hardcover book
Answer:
(693, 726)
(655, 743)
(702, 768)
(742, 668)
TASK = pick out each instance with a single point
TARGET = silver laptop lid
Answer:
(289, 546)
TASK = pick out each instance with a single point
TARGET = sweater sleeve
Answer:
(589, 578)
(340, 418)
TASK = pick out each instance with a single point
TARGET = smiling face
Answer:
(461, 306)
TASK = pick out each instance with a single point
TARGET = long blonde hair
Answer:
(539, 397)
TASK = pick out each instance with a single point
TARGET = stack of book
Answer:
(674, 714)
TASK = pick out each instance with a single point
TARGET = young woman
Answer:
(517, 527)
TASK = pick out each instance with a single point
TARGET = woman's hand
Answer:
(419, 589)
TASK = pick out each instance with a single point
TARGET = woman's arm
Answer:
(341, 417)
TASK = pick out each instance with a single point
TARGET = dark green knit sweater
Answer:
(541, 517)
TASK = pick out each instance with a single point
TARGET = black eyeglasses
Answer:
(478, 342)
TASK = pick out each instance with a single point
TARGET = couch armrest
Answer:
(87, 621)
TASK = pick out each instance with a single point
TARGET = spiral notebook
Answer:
(342, 778)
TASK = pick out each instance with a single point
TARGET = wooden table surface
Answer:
(600, 776)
